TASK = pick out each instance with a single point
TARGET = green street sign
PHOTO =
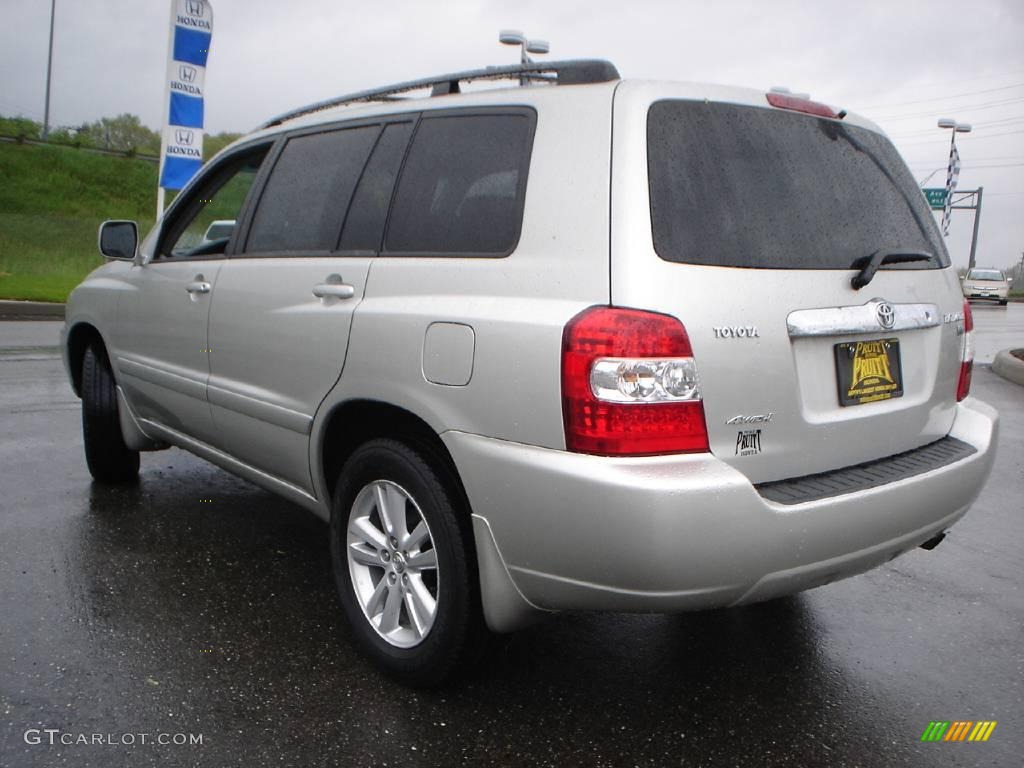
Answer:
(936, 197)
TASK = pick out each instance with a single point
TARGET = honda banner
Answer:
(181, 150)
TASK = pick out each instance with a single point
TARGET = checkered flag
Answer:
(952, 174)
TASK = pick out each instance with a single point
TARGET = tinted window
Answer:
(364, 226)
(307, 195)
(203, 224)
(750, 187)
(463, 185)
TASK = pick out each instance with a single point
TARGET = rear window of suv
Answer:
(742, 186)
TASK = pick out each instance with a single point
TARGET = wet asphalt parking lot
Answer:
(196, 604)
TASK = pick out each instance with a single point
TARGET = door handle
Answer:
(334, 290)
(198, 286)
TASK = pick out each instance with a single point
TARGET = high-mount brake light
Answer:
(630, 385)
(963, 386)
(799, 104)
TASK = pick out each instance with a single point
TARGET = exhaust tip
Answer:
(934, 541)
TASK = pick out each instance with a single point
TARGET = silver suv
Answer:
(579, 343)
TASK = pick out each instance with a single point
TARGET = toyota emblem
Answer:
(886, 315)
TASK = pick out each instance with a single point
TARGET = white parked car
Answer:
(219, 230)
(589, 343)
(987, 283)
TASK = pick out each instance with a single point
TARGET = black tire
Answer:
(109, 459)
(1002, 302)
(453, 643)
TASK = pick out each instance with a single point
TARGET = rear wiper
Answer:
(886, 256)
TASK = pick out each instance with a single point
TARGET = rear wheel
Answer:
(403, 565)
(1002, 302)
(109, 459)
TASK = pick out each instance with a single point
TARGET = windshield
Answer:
(985, 274)
(744, 186)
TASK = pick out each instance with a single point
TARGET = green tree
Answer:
(65, 134)
(20, 126)
(214, 143)
(122, 133)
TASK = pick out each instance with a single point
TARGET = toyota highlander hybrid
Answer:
(577, 343)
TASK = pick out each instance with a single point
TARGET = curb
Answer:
(30, 310)
(1009, 367)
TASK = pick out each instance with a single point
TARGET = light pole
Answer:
(955, 128)
(924, 181)
(949, 123)
(515, 37)
(49, 68)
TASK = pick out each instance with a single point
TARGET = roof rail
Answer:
(571, 72)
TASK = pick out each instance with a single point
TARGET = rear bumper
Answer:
(999, 295)
(676, 533)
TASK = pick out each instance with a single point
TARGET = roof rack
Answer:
(571, 72)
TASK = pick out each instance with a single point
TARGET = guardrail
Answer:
(130, 153)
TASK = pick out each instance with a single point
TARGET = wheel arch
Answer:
(351, 423)
(80, 336)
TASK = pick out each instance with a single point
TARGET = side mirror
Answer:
(962, 278)
(1009, 280)
(119, 240)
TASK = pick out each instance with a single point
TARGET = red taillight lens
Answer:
(643, 365)
(963, 386)
(797, 104)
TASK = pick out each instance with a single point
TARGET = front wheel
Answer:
(109, 459)
(402, 564)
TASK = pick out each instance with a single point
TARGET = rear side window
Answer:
(309, 190)
(463, 186)
(364, 225)
(742, 186)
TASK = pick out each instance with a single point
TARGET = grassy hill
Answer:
(52, 200)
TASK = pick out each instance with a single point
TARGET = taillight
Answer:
(630, 385)
(800, 104)
(963, 386)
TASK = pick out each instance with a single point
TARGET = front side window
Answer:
(203, 226)
(463, 186)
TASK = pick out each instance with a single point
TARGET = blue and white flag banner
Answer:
(181, 150)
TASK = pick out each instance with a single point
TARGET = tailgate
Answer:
(747, 223)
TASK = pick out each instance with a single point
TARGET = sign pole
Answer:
(974, 237)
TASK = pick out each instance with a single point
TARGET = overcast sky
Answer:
(903, 63)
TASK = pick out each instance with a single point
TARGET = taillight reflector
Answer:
(963, 386)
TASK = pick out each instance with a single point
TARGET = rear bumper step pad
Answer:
(871, 474)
